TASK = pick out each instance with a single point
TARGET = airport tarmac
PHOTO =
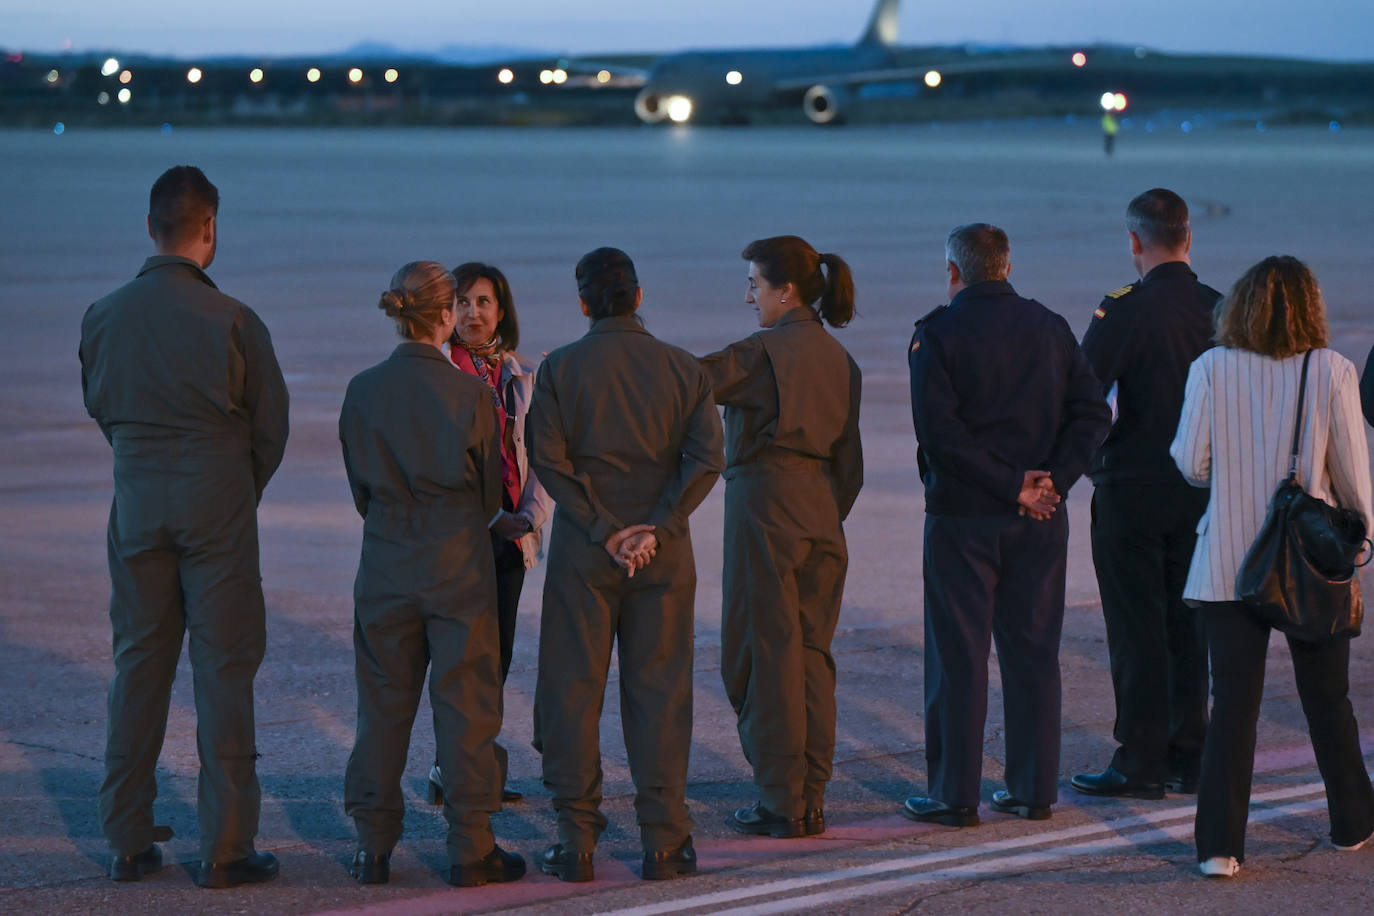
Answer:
(313, 223)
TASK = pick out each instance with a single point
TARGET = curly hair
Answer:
(1275, 309)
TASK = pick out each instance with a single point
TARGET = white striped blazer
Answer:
(1235, 435)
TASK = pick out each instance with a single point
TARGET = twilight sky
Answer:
(1337, 29)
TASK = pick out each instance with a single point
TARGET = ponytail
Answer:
(789, 259)
(837, 301)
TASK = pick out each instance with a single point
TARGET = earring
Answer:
(782, 300)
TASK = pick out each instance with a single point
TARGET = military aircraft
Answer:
(725, 85)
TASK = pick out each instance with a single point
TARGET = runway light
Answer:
(546, 76)
(734, 77)
(255, 75)
(355, 76)
(124, 96)
(110, 67)
(603, 76)
(391, 75)
(1119, 101)
(679, 109)
(59, 128)
(313, 74)
(53, 76)
(126, 76)
(103, 99)
(1079, 59)
(506, 76)
(193, 75)
(1108, 101)
(560, 76)
(933, 78)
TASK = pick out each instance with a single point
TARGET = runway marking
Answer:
(992, 865)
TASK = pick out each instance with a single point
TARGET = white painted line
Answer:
(1115, 825)
(1006, 865)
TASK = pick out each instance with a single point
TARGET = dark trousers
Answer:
(1142, 541)
(510, 580)
(426, 604)
(183, 558)
(589, 606)
(785, 563)
(993, 578)
(1237, 645)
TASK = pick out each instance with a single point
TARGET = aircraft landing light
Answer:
(193, 75)
(110, 67)
(933, 78)
(124, 96)
(391, 75)
(1079, 59)
(506, 76)
(1108, 101)
(355, 76)
(560, 76)
(679, 109)
(255, 75)
(313, 74)
(734, 77)
(603, 76)
(546, 76)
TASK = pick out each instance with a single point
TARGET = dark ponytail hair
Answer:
(607, 282)
(789, 259)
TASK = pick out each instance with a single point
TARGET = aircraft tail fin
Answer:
(882, 26)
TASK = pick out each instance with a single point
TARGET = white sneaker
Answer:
(1359, 845)
(1220, 867)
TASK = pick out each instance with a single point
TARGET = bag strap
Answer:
(1297, 423)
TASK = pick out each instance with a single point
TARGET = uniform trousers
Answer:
(589, 605)
(422, 600)
(785, 564)
(510, 580)
(1142, 542)
(993, 578)
(1237, 645)
(183, 558)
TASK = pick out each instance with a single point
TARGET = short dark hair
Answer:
(788, 259)
(181, 201)
(508, 327)
(1159, 217)
(606, 281)
(981, 251)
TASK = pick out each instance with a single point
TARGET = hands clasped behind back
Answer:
(632, 547)
(1037, 498)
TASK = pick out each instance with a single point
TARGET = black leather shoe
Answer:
(498, 867)
(670, 863)
(756, 820)
(566, 865)
(254, 869)
(1182, 785)
(814, 822)
(933, 811)
(369, 868)
(1005, 802)
(131, 868)
(1113, 782)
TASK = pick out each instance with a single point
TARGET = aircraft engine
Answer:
(650, 106)
(826, 104)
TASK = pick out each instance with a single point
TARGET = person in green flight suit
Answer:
(794, 466)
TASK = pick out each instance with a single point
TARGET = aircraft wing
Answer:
(917, 74)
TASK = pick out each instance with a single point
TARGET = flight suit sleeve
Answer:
(941, 432)
(736, 375)
(847, 458)
(1084, 423)
(264, 397)
(1107, 342)
(1192, 446)
(547, 440)
(484, 445)
(88, 396)
(700, 463)
(347, 429)
(1367, 389)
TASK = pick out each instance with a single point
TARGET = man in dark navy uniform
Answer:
(1141, 341)
(1008, 414)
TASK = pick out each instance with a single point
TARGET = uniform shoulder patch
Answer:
(916, 336)
(1118, 293)
(1099, 312)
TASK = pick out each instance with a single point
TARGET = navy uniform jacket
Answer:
(999, 386)
(1142, 339)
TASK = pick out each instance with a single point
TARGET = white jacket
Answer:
(1235, 436)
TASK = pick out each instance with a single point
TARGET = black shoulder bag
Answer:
(1299, 576)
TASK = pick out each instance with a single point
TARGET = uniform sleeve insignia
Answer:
(1118, 293)
(1100, 313)
(916, 345)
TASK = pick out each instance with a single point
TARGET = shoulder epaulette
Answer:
(916, 335)
(1118, 293)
